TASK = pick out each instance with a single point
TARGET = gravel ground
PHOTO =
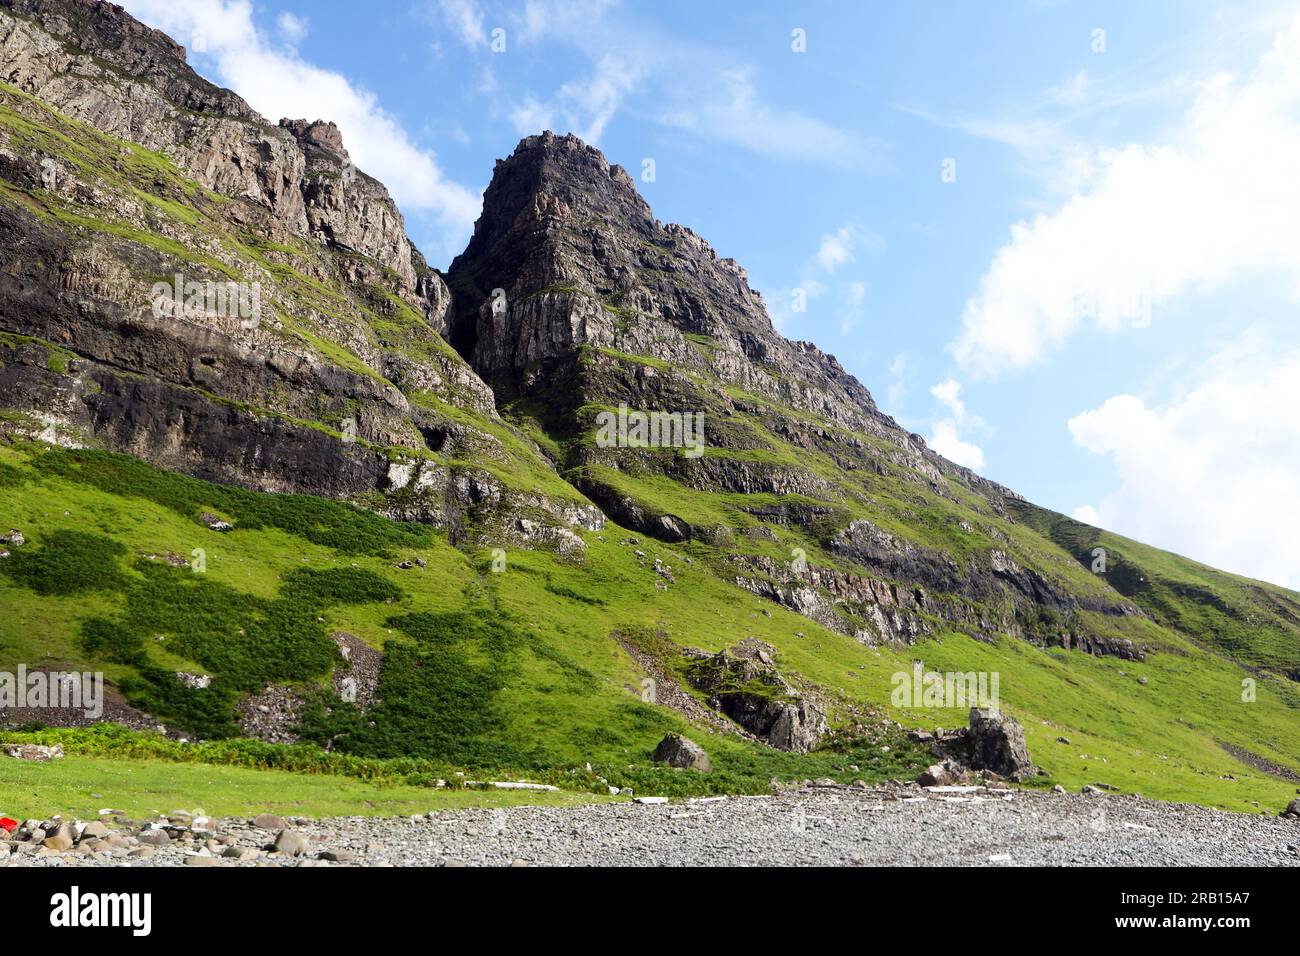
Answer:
(808, 827)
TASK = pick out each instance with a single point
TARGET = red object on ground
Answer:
(7, 825)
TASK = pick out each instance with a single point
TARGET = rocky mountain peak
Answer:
(320, 134)
(567, 254)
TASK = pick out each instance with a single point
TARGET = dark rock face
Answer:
(580, 260)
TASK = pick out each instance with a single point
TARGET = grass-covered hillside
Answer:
(525, 671)
(331, 526)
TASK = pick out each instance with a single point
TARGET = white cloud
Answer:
(683, 84)
(945, 437)
(726, 107)
(1220, 204)
(949, 393)
(1088, 515)
(292, 27)
(465, 18)
(836, 248)
(945, 440)
(583, 107)
(281, 84)
(1213, 475)
(847, 297)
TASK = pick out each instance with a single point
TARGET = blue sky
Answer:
(1059, 240)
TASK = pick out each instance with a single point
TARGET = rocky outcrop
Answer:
(95, 63)
(744, 684)
(992, 747)
(996, 742)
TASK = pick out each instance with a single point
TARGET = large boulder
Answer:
(678, 751)
(996, 743)
(1292, 811)
(797, 725)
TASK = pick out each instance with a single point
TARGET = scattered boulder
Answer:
(214, 523)
(935, 776)
(678, 751)
(996, 742)
(292, 843)
(797, 726)
(37, 752)
(269, 821)
(945, 774)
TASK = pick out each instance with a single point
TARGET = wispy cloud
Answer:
(1220, 202)
(945, 432)
(711, 93)
(845, 298)
(465, 19)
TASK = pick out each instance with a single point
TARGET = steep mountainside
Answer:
(122, 168)
(379, 514)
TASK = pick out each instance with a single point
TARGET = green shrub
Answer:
(67, 562)
(244, 642)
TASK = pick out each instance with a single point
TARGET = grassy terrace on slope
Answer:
(521, 667)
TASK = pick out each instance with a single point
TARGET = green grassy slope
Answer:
(1252, 621)
(517, 671)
